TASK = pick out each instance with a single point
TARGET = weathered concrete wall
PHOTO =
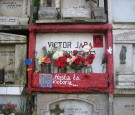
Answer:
(80, 104)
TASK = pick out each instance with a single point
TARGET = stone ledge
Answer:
(14, 27)
(72, 21)
(11, 90)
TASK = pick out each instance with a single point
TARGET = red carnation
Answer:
(12, 105)
(47, 60)
(90, 58)
(57, 63)
(83, 60)
(77, 60)
(75, 52)
(61, 62)
(68, 55)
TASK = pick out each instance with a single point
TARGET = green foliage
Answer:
(36, 4)
(35, 17)
(48, 53)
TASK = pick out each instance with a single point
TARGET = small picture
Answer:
(97, 41)
(45, 80)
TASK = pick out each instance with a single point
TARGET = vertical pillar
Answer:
(110, 17)
(32, 40)
(110, 104)
(109, 43)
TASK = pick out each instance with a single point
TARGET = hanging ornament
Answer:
(28, 62)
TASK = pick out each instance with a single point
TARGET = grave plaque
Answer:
(76, 13)
(7, 58)
(124, 105)
(13, 12)
(12, 55)
(11, 7)
(69, 44)
(71, 104)
(75, 9)
(124, 50)
(72, 107)
(47, 13)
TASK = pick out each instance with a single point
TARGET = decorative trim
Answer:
(126, 37)
(80, 28)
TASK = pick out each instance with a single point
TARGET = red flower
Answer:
(61, 62)
(12, 105)
(68, 55)
(90, 58)
(83, 60)
(15, 111)
(57, 63)
(79, 62)
(75, 52)
(47, 60)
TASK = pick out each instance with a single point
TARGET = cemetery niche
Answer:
(12, 54)
(124, 60)
(67, 63)
(72, 104)
(71, 10)
(14, 12)
(7, 68)
(124, 105)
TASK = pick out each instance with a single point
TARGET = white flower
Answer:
(57, 54)
(68, 60)
(86, 48)
(60, 53)
(72, 60)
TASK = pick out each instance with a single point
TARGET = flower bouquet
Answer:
(45, 61)
(77, 61)
(87, 53)
(59, 59)
(8, 109)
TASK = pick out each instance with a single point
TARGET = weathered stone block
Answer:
(75, 9)
(76, 13)
(80, 104)
(124, 66)
(14, 12)
(124, 105)
(47, 13)
(98, 12)
(12, 55)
